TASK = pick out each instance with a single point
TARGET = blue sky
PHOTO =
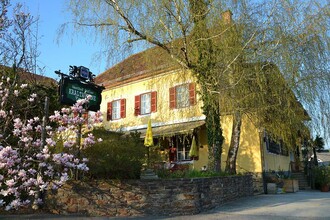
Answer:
(68, 51)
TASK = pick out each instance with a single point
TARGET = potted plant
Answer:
(274, 183)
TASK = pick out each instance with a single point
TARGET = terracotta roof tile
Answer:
(138, 66)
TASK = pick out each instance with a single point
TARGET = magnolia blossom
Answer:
(23, 86)
(30, 166)
(89, 140)
(3, 114)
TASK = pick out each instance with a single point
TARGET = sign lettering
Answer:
(71, 90)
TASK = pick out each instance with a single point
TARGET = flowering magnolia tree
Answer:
(30, 166)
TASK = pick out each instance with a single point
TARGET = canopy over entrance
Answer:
(173, 129)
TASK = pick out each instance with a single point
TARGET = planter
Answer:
(271, 188)
(290, 185)
(324, 188)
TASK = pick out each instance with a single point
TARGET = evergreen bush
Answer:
(116, 157)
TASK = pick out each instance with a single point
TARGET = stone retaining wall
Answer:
(149, 197)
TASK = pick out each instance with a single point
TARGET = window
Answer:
(145, 103)
(276, 147)
(116, 109)
(182, 96)
(179, 147)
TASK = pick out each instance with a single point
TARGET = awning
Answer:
(173, 129)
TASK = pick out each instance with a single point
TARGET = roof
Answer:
(31, 77)
(324, 156)
(138, 66)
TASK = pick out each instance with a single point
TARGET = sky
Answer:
(68, 51)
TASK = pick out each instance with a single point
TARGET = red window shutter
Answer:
(109, 111)
(122, 108)
(137, 105)
(192, 94)
(154, 101)
(172, 98)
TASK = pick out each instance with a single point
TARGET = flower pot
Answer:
(271, 188)
(324, 188)
(290, 185)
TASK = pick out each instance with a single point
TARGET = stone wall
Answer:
(258, 184)
(149, 197)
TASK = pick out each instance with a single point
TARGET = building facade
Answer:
(139, 89)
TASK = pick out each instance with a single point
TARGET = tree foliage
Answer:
(247, 65)
(318, 143)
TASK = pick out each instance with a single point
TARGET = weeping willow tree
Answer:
(248, 65)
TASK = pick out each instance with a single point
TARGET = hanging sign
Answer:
(71, 90)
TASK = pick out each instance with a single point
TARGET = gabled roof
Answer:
(138, 66)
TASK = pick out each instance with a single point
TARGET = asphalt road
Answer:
(301, 205)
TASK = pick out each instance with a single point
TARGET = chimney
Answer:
(227, 17)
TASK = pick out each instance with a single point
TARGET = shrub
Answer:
(322, 176)
(168, 174)
(116, 157)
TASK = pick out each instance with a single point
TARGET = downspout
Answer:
(262, 154)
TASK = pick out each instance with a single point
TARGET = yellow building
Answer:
(139, 89)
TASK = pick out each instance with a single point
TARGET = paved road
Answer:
(301, 205)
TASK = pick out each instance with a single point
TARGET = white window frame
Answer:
(145, 103)
(115, 109)
(182, 96)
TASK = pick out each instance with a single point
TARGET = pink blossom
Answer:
(16, 132)
(23, 86)
(15, 204)
(3, 114)
(38, 128)
(10, 183)
(22, 173)
(50, 142)
(69, 143)
(18, 164)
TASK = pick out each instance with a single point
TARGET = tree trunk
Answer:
(203, 69)
(234, 144)
(214, 134)
(316, 163)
